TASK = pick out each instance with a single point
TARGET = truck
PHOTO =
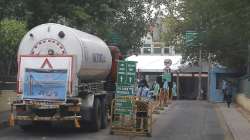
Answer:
(64, 75)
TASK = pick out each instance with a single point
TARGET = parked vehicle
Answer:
(64, 75)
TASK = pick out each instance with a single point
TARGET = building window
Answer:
(157, 50)
(147, 50)
(166, 50)
(147, 45)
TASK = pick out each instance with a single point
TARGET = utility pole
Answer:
(208, 76)
(178, 84)
(248, 60)
(200, 71)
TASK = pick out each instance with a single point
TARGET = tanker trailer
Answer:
(62, 76)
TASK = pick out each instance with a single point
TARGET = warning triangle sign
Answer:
(46, 62)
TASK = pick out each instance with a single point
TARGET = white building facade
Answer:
(150, 47)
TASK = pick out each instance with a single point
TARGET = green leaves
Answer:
(223, 28)
(129, 19)
(171, 33)
(11, 32)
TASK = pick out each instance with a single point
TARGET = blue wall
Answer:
(216, 95)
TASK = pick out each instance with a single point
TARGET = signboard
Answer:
(45, 84)
(115, 38)
(126, 72)
(131, 72)
(123, 107)
(121, 74)
(122, 90)
(167, 77)
(126, 77)
(44, 62)
(190, 37)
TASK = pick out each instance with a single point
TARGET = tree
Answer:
(11, 32)
(132, 23)
(127, 18)
(222, 27)
(172, 34)
(14, 9)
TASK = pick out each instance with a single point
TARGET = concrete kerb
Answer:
(236, 122)
(223, 122)
(243, 101)
(229, 127)
(245, 113)
(5, 96)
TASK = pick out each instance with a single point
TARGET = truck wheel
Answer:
(104, 122)
(97, 115)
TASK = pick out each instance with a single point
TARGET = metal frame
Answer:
(75, 108)
(72, 77)
(132, 120)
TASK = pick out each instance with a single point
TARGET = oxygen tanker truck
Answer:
(64, 75)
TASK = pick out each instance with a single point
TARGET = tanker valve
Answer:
(51, 52)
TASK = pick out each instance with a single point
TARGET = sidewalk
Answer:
(237, 123)
(4, 119)
(5, 95)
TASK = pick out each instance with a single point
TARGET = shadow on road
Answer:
(56, 130)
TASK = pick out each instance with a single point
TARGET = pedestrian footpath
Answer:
(5, 96)
(4, 119)
(237, 123)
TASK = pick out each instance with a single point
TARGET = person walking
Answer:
(156, 90)
(229, 94)
(224, 86)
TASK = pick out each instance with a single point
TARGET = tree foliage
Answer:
(11, 32)
(128, 19)
(100, 17)
(222, 25)
(171, 35)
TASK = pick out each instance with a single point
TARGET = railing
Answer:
(7, 82)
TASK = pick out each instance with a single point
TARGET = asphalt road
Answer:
(182, 120)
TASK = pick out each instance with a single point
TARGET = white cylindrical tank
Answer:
(92, 56)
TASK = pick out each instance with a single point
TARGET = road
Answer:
(182, 120)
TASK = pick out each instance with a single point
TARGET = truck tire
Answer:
(104, 121)
(96, 115)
